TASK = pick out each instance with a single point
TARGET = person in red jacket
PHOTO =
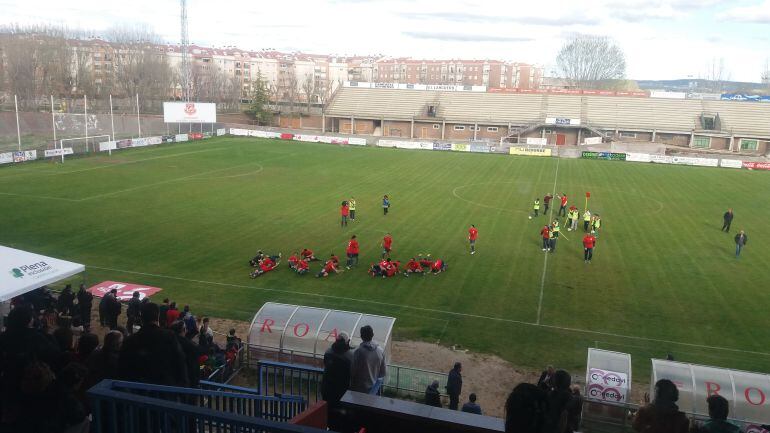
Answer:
(563, 207)
(302, 267)
(329, 267)
(438, 267)
(545, 232)
(589, 242)
(547, 203)
(308, 255)
(425, 262)
(412, 267)
(265, 266)
(293, 260)
(344, 211)
(352, 252)
(473, 234)
(172, 315)
(387, 244)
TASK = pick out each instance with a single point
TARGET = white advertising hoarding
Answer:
(58, 152)
(638, 157)
(703, 162)
(731, 163)
(6, 158)
(180, 137)
(537, 141)
(592, 140)
(189, 112)
(108, 145)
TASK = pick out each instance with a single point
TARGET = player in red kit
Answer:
(547, 202)
(308, 255)
(344, 212)
(293, 260)
(589, 242)
(329, 267)
(545, 232)
(563, 207)
(266, 265)
(387, 243)
(413, 266)
(302, 267)
(352, 252)
(438, 267)
(473, 234)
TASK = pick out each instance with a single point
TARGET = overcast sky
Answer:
(662, 39)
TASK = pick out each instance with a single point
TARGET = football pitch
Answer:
(187, 217)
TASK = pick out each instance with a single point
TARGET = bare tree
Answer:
(766, 74)
(586, 59)
(716, 74)
(289, 87)
(308, 90)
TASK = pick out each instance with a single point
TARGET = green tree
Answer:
(260, 98)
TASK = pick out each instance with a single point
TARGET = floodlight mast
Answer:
(185, 42)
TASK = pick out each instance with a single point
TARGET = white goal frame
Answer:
(61, 142)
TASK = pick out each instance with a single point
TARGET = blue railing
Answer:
(127, 407)
(278, 378)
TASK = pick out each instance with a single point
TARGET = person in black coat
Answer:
(337, 362)
(85, 303)
(191, 352)
(546, 379)
(113, 309)
(152, 354)
(432, 396)
(66, 304)
(454, 385)
(133, 313)
(728, 219)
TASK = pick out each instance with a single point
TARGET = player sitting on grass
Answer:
(413, 266)
(266, 265)
(308, 255)
(301, 268)
(438, 267)
(426, 262)
(261, 256)
(293, 260)
(330, 266)
(392, 268)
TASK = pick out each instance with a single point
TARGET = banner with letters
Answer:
(154, 140)
(442, 146)
(638, 157)
(702, 162)
(57, 152)
(525, 151)
(479, 148)
(537, 141)
(24, 155)
(461, 147)
(108, 145)
(612, 156)
(731, 163)
(180, 138)
(756, 165)
(125, 291)
(189, 112)
(592, 140)
(6, 158)
(607, 385)
(221, 131)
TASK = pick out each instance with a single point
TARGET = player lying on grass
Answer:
(438, 267)
(308, 255)
(293, 260)
(426, 262)
(413, 267)
(302, 267)
(254, 262)
(385, 268)
(265, 265)
(331, 266)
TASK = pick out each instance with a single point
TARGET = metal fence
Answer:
(412, 381)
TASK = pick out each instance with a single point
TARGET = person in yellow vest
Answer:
(555, 230)
(536, 206)
(586, 220)
(574, 215)
(597, 223)
(352, 208)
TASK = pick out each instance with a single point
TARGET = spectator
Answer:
(36, 401)
(558, 399)
(152, 354)
(454, 385)
(163, 311)
(471, 406)
(71, 412)
(662, 415)
(87, 344)
(103, 309)
(432, 395)
(85, 303)
(338, 360)
(66, 304)
(133, 313)
(233, 341)
(574, 410)
(172, 315)
(546, 379)
(191, 353)
(719, 408)
(525, 409)
(113, 308)
(65, 342)
(190, 324)
(368, 362)
(103, 363)
(205, 334)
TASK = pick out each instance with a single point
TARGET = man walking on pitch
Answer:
(740, 241)
(563, 207)
(536, 206)
(547, 202)
(586, 220)
(385, 204)
(555, 230)
(728, 219)
(572, 218)
(473, 234)
(352, 208)
(589, 242)
(344, 211)
(387, 243)
(545, 232)
(352, 252)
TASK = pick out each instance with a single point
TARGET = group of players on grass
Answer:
(550, 232)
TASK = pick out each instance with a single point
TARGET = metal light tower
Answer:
(185, 53)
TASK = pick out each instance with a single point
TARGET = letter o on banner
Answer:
(297, 328)
(748, 394)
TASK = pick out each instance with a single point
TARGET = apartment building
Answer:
(490, 73)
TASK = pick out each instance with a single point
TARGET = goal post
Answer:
(80, 144)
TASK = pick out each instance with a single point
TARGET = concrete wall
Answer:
(396, 128)
(362, 126)
(427, 131)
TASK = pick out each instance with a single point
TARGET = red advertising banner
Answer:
(286, 136)
(125, 290)
(756, 165)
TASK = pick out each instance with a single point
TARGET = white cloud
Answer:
(758, 13)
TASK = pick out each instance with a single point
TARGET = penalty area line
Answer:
(434, 310)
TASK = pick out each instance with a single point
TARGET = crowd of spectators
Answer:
(49, 357)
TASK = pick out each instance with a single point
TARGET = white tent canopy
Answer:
(22, 271)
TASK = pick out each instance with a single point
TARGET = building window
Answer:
(459, 128)
(547, 132)
(436, 126)
(491, 128)
(474, 128)
(628, 135)
(701, 142)
(749, 144)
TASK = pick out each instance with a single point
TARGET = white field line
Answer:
(433, 310)
(547, 253)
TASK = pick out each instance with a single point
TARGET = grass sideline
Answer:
(187, 217)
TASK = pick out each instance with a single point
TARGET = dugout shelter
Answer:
(300, 334)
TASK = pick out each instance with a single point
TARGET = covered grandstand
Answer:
(558, 119)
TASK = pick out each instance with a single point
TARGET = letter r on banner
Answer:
(266, 325)
(712, 389)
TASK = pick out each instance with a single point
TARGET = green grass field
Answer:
(187, 217)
